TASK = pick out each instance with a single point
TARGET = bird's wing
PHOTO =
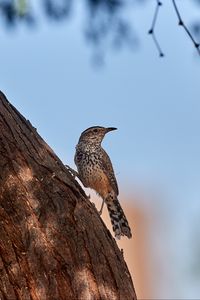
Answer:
(108, 168)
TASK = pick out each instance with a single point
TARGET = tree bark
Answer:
(53, 243)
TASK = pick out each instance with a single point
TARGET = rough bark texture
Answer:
(53, 243)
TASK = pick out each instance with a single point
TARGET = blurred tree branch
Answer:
(106, 22)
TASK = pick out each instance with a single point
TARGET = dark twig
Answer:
(152, 29)
(181, 23)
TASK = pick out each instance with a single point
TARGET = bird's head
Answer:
(95, 134)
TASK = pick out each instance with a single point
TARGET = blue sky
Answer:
(47, 73)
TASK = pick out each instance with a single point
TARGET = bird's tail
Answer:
(118, 219)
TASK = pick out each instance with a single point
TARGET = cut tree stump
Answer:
(53, 243)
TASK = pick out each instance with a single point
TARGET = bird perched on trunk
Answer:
(95, 170)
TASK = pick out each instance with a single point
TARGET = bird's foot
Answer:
(72, 171)
(101, 210)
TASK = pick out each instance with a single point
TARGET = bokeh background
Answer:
(90, 63)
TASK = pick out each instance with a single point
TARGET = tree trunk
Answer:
(53, 243)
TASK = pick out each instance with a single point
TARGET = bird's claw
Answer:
(100, 211)
(72, 171)
(102, 205)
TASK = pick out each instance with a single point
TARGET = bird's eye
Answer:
(95, 130)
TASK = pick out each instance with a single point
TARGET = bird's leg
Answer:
(102, 205)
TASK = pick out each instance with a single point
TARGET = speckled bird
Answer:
(95, 170)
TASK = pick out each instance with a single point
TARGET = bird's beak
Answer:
(110, 129)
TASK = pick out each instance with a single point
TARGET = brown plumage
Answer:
(96, 171)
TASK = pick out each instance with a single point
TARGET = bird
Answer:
(95, 171)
